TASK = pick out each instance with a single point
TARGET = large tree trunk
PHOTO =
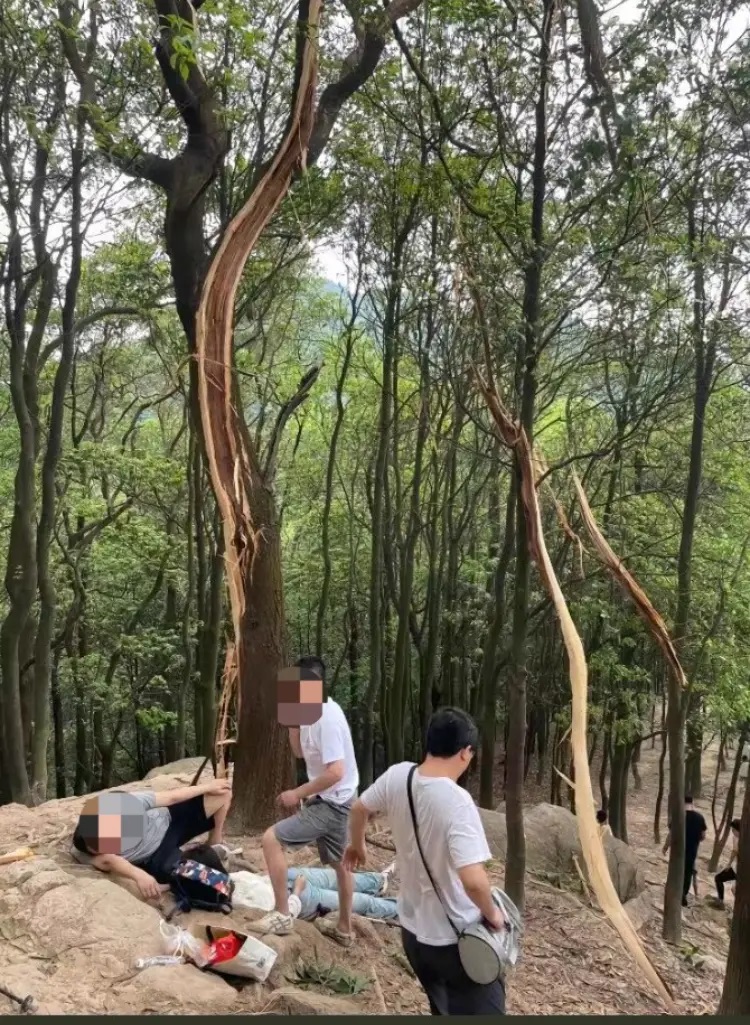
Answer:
(515, 865)
(704, 364)
(243, 488)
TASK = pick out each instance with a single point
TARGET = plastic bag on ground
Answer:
(181, 943)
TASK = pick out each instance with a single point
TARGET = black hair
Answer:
(601, 816)
(736, 823)
(206, 855)
(313, 662)
(688, 798)
(450, 730)
(79, 842)
(744, 758)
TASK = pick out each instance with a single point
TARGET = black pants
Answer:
(690, 859)
(188, 819)
(449, 989)
(727, 875)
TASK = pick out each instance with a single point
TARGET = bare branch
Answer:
(358, 68)
(303, 390)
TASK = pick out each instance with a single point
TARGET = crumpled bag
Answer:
(180, 943)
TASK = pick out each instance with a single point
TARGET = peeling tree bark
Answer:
(243, 492)
(672, 928)
(514, 437)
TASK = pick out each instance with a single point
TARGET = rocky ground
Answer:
(71, 936)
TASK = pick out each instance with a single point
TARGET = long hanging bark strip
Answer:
(672, 921)
(643, 606)
(515, 438)
(236, 474)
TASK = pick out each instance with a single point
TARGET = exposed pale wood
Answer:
(515, 438)
(21, 854)
(236, 474)
(654, 622)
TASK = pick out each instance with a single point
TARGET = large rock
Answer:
(71, 942)
(552, 840)
(294, 1000)
(182, 767)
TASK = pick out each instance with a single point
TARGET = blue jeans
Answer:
(321, 891)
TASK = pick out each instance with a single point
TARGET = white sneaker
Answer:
(273, 924)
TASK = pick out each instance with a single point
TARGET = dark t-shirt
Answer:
(695, 827)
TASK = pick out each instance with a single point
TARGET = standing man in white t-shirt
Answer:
(455, 845)
(319, 733)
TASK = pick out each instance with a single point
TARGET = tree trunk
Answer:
(58, 719)
(489, 655)
(735, 997)
(704, 364)
(660, 790)
(606, 751)
(515, 865)
(325, 542)
(725, 825)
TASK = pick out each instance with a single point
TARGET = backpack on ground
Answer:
(197, 887)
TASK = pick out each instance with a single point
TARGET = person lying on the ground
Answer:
(137, 835)
(729, 875)
(312, 892)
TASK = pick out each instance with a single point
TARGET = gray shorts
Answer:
(318, 822)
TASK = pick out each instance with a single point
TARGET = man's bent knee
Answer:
(270, 839)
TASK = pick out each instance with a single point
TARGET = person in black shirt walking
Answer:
(728, 875)
(695, 832)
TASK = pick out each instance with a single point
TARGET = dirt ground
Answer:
(572, 961)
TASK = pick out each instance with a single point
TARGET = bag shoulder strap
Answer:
(409, 783)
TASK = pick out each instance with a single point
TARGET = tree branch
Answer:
(285, 413)
(358, 68)
(125, 154)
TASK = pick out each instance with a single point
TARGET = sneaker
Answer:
(330, 929)
(273, 924)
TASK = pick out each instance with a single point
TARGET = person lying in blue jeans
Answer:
(313, 891)
(318, 893)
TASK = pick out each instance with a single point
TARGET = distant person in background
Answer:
(604, 827)
(695, 833)
(728, 874)
(744, 769)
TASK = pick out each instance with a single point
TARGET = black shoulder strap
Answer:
(409, 782)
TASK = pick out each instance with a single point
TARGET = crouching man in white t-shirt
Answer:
(319, 733)
(455, 846)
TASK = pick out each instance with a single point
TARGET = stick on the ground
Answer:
(26, 1005)
(22, 854)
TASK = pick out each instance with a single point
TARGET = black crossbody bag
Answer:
(482, 950)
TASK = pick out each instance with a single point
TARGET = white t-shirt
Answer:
(743, 770)
(330, 740)
(452, 837)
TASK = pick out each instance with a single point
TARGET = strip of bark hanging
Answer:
(643, 606)
(515, 438)
(232, 462)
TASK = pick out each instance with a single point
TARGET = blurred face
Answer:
(299, 697)
(112, 822)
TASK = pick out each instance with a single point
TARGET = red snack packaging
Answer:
(224, 949)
